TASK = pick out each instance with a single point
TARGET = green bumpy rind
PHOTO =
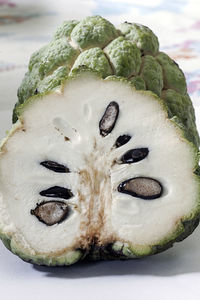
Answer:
(138, 82)
(52, 81)
(151, 72)
(173, 77)
(94, 58)
(93, 32)
(142, 36)
(131, 52)
(65, 29)
(181, 107)
(124, 56)
(64, 53)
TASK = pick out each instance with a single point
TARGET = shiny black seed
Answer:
(57, 192)
(36, 92)
(122, 140)
(51, 212)
(54, 166)
(109, 118)
(141, 187)
(134, 155)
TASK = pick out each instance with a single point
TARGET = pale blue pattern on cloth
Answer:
(105, 7)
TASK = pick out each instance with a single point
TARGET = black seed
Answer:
(122, 140)
(57, 192)
(109, 118)
(141, 187)
(54, 166)
(36, 92)
(51, 212)
(134, 155)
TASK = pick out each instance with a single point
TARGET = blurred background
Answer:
(26, 25)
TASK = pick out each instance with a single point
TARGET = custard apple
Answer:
(102, 161)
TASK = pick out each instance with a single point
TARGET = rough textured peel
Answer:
(132, 51)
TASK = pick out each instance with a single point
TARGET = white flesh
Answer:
(97, 208)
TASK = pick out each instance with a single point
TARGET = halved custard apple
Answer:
(96, 170)
(102, 162)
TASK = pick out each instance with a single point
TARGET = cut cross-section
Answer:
(78, 168)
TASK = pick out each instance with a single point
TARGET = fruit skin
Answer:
(39, 259)
(66, 57)
(142, 36)
(132, 52)
(94, 58)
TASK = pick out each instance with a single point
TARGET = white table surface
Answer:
(172, 275)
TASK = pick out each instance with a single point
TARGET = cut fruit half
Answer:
(96, 170)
